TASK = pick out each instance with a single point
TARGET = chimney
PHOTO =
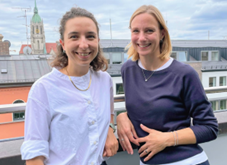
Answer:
(1, 37)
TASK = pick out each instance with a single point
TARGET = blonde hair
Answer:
(165, 45)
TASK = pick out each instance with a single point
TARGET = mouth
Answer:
(83, 54)
(144, 45)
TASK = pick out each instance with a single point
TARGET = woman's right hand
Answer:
(126, 132)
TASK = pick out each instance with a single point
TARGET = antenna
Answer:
(208, 34)
(111, 34)
(25, 16)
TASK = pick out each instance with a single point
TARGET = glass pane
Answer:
(222, 81)
(120, 89)
(116, 58)
(214, 56)
(125, 57)
(174, 55)
(223, 104)
(18, 116)
(212, 81)
(204, 56)
(107, 56)
(182, 56)
(214, 105)
(18, 101)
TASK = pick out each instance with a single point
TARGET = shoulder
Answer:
(102, 76)
(128, 64)
(42, 83)
(183, 69)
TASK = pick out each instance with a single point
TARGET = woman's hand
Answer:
(111, 145)
(155, 142)
(126, 132)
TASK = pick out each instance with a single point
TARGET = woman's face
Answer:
(80, 41)
(146, 35)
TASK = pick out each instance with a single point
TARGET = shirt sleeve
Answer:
(205, 126)
(37, 122)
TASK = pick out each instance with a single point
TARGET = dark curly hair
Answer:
(61, 59)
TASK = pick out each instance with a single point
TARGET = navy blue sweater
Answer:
(167, 102)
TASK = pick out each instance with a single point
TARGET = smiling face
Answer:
(146, 35)
(80, 41)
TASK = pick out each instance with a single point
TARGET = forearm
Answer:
(36, 161)
(181, 137)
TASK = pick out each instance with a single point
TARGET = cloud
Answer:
(185, 19)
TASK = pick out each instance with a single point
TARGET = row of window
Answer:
(219, 105)
(119, 57)
(212, 81)
(205, 55)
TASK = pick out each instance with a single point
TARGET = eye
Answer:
(149, 31)
(90, 36)
(73, 37)
(135, 31)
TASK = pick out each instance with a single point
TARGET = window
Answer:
(214, 105)
(174, 55)
(222, 81)
(118, 112)
(119, 89)
(214, 56)
(209, 56)
(116, 58)
(204, 56)
(107, 56)
(18, 115)
(212, 81)
(41, 30)
(179, 56)
(223, 104)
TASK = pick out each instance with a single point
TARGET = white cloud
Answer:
(185, 19)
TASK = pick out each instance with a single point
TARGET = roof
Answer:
(49, 47)
(29, 68)
(22, 47)
(199, 43)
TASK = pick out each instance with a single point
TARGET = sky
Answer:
(186, 20)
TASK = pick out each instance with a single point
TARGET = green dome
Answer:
(36, 18)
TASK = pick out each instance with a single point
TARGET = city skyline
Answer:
(194, 20)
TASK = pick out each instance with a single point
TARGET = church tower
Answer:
(37, 33)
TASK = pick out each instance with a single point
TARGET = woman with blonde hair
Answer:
(168, 113)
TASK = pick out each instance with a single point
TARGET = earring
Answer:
(63, 51)
(161, 41)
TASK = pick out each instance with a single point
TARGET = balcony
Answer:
(216, 150)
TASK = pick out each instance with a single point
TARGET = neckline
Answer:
(83, 78)
(157, 71)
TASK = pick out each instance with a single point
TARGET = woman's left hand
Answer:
(155, 142)
(111, 145)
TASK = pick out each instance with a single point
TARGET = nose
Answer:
(83, 43)
(142, 36)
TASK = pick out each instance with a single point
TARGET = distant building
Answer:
(4, 46)
(38, 42)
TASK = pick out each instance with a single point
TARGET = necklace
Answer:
(75, 85)
(146, 79)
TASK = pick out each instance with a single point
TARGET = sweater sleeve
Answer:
(204, 123)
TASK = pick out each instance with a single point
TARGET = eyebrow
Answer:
(91, 32)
